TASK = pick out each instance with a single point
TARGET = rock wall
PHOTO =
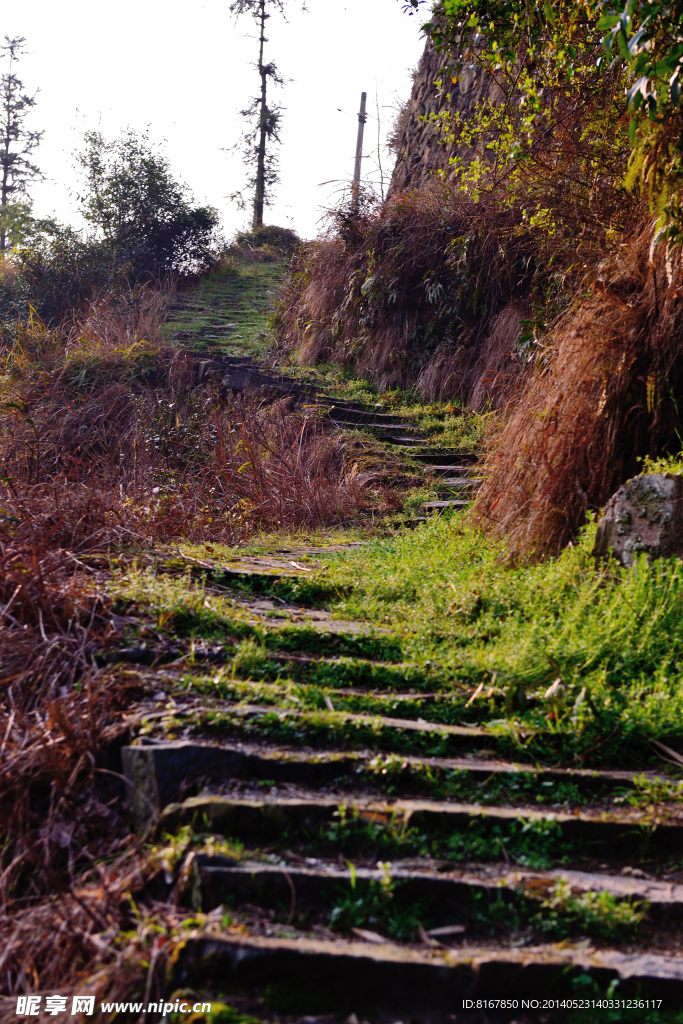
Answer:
(419, 151)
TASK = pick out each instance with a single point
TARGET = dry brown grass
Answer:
(408, 291)
(607, 396)
(108, 445)
(109, 417)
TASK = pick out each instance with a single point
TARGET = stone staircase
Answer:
(365, 838)
(241, 374)
(370, 838)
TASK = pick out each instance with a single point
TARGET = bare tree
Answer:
(17, 142)
(264, 117)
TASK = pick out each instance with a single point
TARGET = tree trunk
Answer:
(259, 194)
(4, 184)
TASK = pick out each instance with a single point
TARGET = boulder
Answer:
(645, 515)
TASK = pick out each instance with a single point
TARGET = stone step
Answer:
(406, 428)
(303, 818)
(402, 677)
(156, 772)
(444, 459)
(383, 728)
(253, 565)
(445, 470)
(228, 361)
(318, 976)
(228, 721)
(443, 896)
(354, 406)
(438, 506)
(458, 483)
(344, 413)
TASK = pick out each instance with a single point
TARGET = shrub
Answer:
(283, 239)
(408, 291)
(144, 215)
(58, 272)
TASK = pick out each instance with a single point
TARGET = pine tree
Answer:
(17, 141)
(264, 116)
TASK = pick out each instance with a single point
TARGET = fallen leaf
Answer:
(553, 688)
(449, 929)
(366, 936)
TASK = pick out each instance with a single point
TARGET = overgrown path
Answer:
(366, 817)
(228, 310)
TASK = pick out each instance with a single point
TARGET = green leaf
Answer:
(639, 89)
(664, 67)
(632, 126)
(549, 12)
(608, 21)
(634, 42)
(623, 46)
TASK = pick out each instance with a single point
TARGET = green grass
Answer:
(234, 303)
(444, 600)
(612, 636)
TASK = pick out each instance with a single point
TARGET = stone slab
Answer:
(357, 977)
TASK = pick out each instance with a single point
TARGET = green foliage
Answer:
(144, 215)
(374, 905)
(549, 139)
(644, 37)
(56, 270)
(554, 62)
(146, 223)
(282, 240)
(611, 635)
(596, 914)
(533, 844)
(17, 224)
(375, 835)
(17, 139)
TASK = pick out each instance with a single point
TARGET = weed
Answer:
(220, 1012)
(598, 914)
(648, 792)
(374, 904)
(534, 844)
(375, 835)
(608, 634)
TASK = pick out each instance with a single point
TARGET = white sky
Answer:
(184, 71)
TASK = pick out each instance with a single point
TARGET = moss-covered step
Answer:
(157, 772)
(316, 976)
(492, 831)
(357, 731)
(469, 900)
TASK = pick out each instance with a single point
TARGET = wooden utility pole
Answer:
(359, 141)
